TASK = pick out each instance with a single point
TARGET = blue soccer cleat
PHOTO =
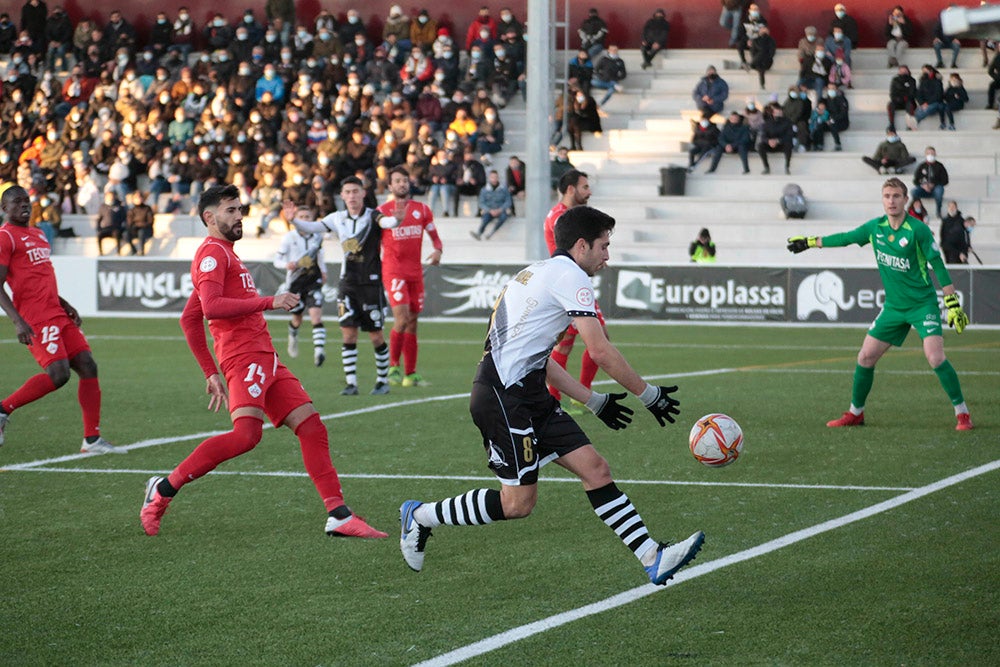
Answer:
(412, 536)
(672, 557)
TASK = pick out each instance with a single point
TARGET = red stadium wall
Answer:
(694, 23)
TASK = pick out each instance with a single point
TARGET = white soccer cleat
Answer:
(101, 446)
(672, 557)
(4, 418)
(293, 346)
(413, 536)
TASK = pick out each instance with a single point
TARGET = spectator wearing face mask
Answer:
(807, 46)
(930, 95)
(583, 117)
(891, 156)
(749, 30)
(703, 141)
(796, 111)
(482, 22)
(711, 92)
(955, 98)
(489, 135)
(840, 72)
(423, 31)
(776, 136)
(762, 52)
(734, 138)
(580, 70)
(837, 41)
(930, 178)
(592, 32)
(846, 23)
(902, 97)
(897, 35)
(609, 73)
(815, 71)
(654, 38)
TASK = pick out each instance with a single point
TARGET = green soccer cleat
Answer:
(414, 380)
(395, 375)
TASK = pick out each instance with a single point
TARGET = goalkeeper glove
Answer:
(799, 244)
(658, 401)
(956, 316)
(609, 410)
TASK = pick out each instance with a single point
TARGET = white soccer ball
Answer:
(716, 440)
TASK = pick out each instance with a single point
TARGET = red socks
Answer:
(395, 346)
(210, 453)
(33, 389)
(315, 445)
(88, 393)
(409, 353)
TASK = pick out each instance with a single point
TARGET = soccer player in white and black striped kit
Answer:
(523, 426)
(360, 296)
(301, 256)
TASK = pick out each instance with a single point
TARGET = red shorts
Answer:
(56, 339)
(408, 291)
(259, 380)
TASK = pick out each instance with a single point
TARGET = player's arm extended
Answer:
(21, 327)
(607, 356)
(193, 326)
(215, 306)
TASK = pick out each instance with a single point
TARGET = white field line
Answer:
(467, 478)
(521, 632)
(155, 442)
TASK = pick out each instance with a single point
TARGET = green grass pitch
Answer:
(242, 573)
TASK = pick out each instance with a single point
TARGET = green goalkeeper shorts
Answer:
(893, 325)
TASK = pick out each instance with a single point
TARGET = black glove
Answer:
(611, 411)
(799, 244)
(663, 406)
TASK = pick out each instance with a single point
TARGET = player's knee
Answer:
(58, 373)
(518, 508)
(598, 475)
(249, 431)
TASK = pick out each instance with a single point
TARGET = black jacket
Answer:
(902, 89)
(930, 172)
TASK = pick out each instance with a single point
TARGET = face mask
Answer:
(484, 34)
(268, 74)
(302, 34)
(893, 139)
(751, 107)
(506, 18)
(703, 123)
(352, 19)
(580, 99)
(51, 136)
(223, 57)
(248, 19)
(255, 118)
(831, 93)
(476, 55)
(271, 38)
(446, 54)
(297, 179)
(811, 38)
(123, 59)
(183, 159)
(422, 19)
(4, 159)
(204, 156)
(452, 136)
(183, 17)
(439, 76)
(244, 71)
(840, 61)
(241, 36)
(820, 55)
(931, 158)
(257, 57)
(218, 23)
(841, 14)
(161, 21)
(204, 59)
(500, 53)
(286, 57)
(793, 95)
(838, 36)
(348, 60)
(491, 117)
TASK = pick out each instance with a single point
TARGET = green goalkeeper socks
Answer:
(949, 380)
(863, 378)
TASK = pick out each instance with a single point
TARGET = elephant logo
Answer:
(822, 292)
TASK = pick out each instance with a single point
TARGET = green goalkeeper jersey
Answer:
(902, 256)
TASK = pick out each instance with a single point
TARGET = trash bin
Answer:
(672, 180)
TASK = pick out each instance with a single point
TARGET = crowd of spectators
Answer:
(93, 114)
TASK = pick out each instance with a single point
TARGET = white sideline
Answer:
(521, 632)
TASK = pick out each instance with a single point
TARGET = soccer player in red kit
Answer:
(574, 186)
(403, 274)
(256, 383)
(45, 322)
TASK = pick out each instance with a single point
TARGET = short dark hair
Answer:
(581, 222)
(213, 196)
(352, 180)
(9, 192)
(571, 177)
(399, 169)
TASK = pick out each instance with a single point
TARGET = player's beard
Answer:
(233, 233)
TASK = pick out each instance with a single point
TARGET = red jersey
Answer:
(32, 279)
(550, 225)
(402, 246)
(224, 294)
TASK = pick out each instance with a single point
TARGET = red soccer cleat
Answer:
(848, 419)
(153, 507)
(964, 422)
(355, 527)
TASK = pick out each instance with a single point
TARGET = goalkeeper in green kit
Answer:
(903, 247)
